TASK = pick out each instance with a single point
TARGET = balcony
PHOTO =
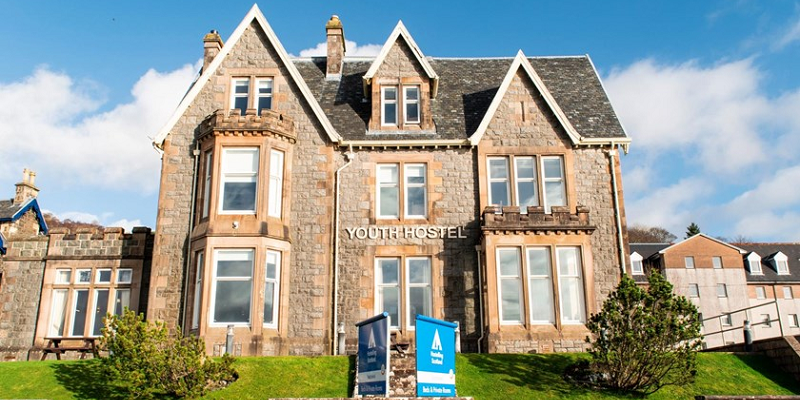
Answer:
(232, 123)
(508, 220)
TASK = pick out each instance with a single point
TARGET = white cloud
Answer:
(771, 208)
(49, 122)
(351, 49)
(126, 224)
(671, 207)
(791, 35)
(78, 216)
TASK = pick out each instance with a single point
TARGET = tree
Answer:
(692, 230)
(645, 338)
(53, 222)
(649, 234)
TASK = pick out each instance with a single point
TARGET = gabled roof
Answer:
(10, 212)
(707, 237)
(400, 31)
(199, 84)
(768, 252)
(647, 250)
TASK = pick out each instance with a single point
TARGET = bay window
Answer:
(198, 288)
(232, 287)
(275, 183)
(540, 285)
(272, 288)
(521, 184)
(239, 180)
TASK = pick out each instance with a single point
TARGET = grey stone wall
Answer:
(23, 270)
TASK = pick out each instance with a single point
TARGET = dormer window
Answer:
(754, 264)
(636, 264)
(411, 103)
(781, 263)
(240, 94)
(401, 107)
(389, 105)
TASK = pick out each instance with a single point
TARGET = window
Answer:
(637, 268)
(783, 267)
(411, 103)
(766, 321)
(63, 276)
(58, 312)
(275, 183)
(689, 262)
(389, 105)
(239, 180)
(80, 304)
(240, 94)
(233, 275)
(726, 320)
(100, 309)
(206, 186)
(755, 267)
(416, 289)
(103, 276)
(761, 293)
(694, 290)
(525, 182)
(793, 323)
(124, 275)
(722, 290)
(787, 292)
(717, 262)
(272, 288)
(198, 288)
(83, 276)
(539, 266)
(122, 300)
(414, 193)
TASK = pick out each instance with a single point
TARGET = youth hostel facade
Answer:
(298, 194)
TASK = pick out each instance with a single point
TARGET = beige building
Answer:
(301, 194)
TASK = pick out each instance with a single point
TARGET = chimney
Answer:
(336, 49)
(25, 189)
(212, 44)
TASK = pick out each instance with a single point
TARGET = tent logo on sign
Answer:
(437, 358)
(371, 344)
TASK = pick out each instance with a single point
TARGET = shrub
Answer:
(645, 338)
(145, 361)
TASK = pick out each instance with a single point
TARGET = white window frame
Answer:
(234, 84)
(754, 264)
(726, 320)
(781, 264)
(407, 102)
(518, 279)
(266, 95)
(114, 299)
(97, 275)
(548, 278)
(119, 276)
(761, 293)
(688, 262)
(237, 175)
(407, 185)
(722, 290)
(215, 279)
(94, 300)
(53, 312)
(207, 185)
(793, 321)
(410, 319)
(581, 288)
(380, 286)
(523, 208)
(198, 287)
(637, 264)
(276, 170)
(788, 293)
(694, 291)
(387, 184)
(385, 102)
(78, 276)
(73, 310)
(276, 281)
(561, 179)
(716, 262)
(61, 272)
(491, 179)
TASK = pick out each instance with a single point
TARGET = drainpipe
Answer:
(196, 154)
(480, 296)
(349, 156)
(611, 153)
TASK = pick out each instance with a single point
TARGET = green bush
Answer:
(145, 361)
(645, 338)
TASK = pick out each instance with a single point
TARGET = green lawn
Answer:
(483, 376)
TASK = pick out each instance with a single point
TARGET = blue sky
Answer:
(709, 91)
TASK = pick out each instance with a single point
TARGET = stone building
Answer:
(59, 283)
(301, 194)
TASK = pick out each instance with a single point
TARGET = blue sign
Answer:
(436, 357)
(373, 356)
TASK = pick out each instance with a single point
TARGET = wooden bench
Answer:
(61, 345)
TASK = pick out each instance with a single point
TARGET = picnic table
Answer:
(61, 345)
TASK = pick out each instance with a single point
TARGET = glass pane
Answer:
(552, 167)
(240, 161)
(239, 196)
(63, 275)
(124, 276)
(416, 201)
(79, 312)
(122, 300)
(272, 266)
(390, 94)
(509, 262)
(241, 86)
(412, 93)
(539, 262)
(264, 86)
(100, 310)
(269, 303)
(391, 303)
(264, 103)
(555, 193)
(84, 276)
(239, 268)
(387, 174)
(412, 112)
(240, 103)
(419, 302)
(388, 271)
(232, 301)
(104, 276)
(58, 313)
(415, 174)
(390, 113)
(498, 169)
(541, 300)
(499, 193)
(525, 168)
(510, 300)
(419, 270)
(389, 202)
(526, 191)
(571, 299)
(569, 262)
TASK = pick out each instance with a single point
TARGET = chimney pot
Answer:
(212, 44)
(25, 189)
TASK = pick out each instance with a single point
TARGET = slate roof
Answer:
(466, 89)
(8, 209)
(646, 250)
(10, 212)
(766, 251)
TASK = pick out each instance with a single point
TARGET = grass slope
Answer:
(483, 376)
